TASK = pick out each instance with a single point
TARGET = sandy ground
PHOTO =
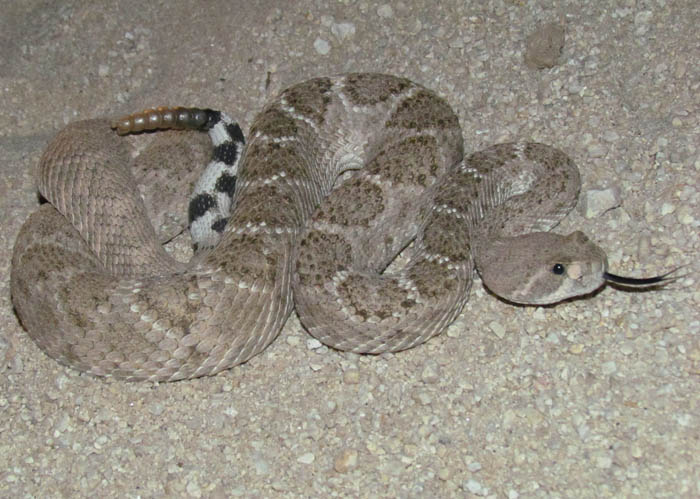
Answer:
(591, 398)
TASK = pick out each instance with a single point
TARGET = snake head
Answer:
(542, 268)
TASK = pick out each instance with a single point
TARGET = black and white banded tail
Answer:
(210, 204)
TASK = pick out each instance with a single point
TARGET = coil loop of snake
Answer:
(339, 175)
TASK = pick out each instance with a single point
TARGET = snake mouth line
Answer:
(644, 282)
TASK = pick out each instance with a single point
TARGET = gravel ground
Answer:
(596, 397)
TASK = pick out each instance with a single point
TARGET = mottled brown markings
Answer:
(356, 202)
(408, 303)
(310, 99)
(368, 298)
(392, 162)
(446, 236)
(423, 111)
(266, 159)
(541, 154)
(457, 196)
(366, 90)
(80, 301)
(254, 261)
(272, 204)
(484, 161)
(274, 122)
(321, 256)
(432, 279)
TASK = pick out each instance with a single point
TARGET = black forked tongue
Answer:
(645, 282)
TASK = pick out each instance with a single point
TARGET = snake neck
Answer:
(517, 194)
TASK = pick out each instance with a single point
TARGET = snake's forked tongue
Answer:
(645, 282)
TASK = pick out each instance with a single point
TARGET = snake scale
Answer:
(340, 175)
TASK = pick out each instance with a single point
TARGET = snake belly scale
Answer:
(339, 175)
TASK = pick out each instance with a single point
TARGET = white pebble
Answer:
(642, 17)
(497, 329)
(351, 376)
(603, 462)
(385, 11)
(611, 136)
(474, 487)
(684, 419)
(307, 458)
(595, 202)
(193, 488)
(553, 338)
(609, 368)
(262, 467)
(431, 372)
(685, 216)
(641, 20)
(313, 344)
(322, 46)
(596, 151)
(343, 31)
(474, 466)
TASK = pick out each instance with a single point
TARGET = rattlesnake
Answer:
(96, 291)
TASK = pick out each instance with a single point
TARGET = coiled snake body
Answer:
(96, 291)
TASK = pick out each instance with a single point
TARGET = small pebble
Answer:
(474, 466)
(667, 208)
(193, 488)
(431, 372)
(385, 11)
(643, 17)
(596, 151)
(474, 487)
(343, 31)
(262, 467)
(497, 329)
(603, 462)
(685, 215)
(644, 248)
(313, 344)
(595, 202)
(684, 419)
(322, 46)
(609, 368)
(641, 21)
(553, 338)
(544, 46)
(539, 314)
(346, 461)
(576, 348)
(351, 376)
(611, 136)
(307, 458)
(627, 349)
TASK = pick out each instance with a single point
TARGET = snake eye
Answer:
(558, 269)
